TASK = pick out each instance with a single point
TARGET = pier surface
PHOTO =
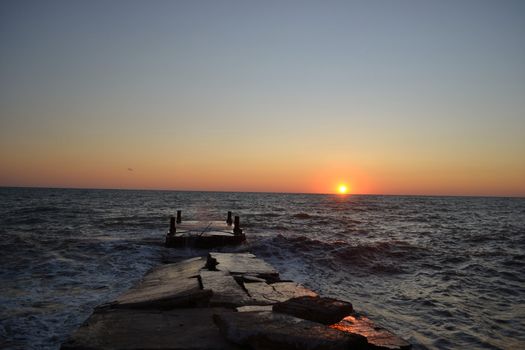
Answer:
(226, 301)
(203, 234)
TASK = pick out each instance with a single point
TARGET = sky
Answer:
(387, 97)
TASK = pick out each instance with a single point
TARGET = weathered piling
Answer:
(226, 301)
(237, 226)
(173, 229)
(179, 216)
(229, 220)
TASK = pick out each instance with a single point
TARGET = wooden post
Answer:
(229, 220)
(172, 226)
(236, 226)
(179, 216)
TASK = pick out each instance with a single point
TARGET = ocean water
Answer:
(442, 272)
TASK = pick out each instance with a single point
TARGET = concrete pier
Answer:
(226, 301)
(204, 234)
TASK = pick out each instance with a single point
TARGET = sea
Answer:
(441, 272)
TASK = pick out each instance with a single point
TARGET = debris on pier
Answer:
(226, 301)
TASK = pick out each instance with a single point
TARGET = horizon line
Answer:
(265, 192)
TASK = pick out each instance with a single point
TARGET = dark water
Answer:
(443, 272)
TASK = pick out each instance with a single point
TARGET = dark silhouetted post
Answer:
(236, 226)
(172, 226)
(229, 220)
(179, 216)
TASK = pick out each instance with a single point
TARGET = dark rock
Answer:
(149, 329)
(317, 309)
(377, 337)
(268, 330)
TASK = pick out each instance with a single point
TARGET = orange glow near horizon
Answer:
(342, 189)
(228, 168)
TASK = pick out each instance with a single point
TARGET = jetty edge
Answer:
(226, 301)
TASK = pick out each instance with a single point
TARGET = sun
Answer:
(343, 189)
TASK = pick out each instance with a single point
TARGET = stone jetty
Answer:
(226, 301)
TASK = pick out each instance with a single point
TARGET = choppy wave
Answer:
(443, 272)
(363, 258)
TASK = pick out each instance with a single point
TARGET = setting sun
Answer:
(343, 189)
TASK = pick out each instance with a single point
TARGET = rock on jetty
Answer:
(226, 301)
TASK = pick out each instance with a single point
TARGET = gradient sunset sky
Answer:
(389, 97)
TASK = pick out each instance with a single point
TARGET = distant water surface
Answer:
(442, 272)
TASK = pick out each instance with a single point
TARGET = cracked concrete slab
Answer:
(264, 294)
